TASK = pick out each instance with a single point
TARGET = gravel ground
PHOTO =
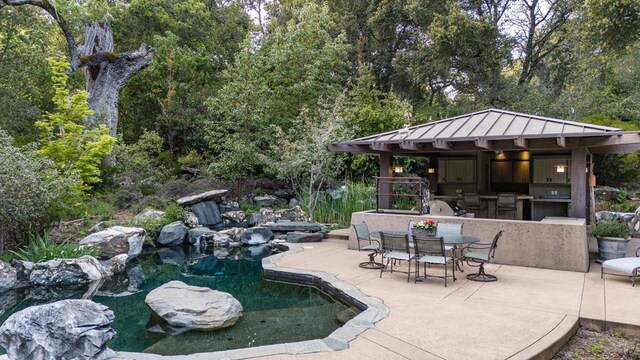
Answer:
(587, 344)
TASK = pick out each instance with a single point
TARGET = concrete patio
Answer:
(527, 313)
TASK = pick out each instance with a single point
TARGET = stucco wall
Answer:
(555, 244)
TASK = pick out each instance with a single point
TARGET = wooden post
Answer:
(386, 159)
(579, 183)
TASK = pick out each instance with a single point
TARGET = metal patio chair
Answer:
(507, 202)
(447, 228)
(395, 247)
(430, 250)
(472, 202)
(366, 242)
(476, 254)
(629, 266)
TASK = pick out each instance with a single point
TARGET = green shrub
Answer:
(173, 212)
(98, 206)
(151, 202)
(148, 188)
(192, 158)
(63, 137)
(32, 192)
(41, 248)
(126, 197)
(136, 163)
(610, 228)
(626, 206)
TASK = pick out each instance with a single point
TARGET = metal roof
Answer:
(494, 129)
(488, 124)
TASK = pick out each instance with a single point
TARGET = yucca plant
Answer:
(41, 248)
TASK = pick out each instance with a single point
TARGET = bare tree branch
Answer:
(49, 8)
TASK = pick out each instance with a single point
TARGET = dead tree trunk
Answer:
(107, 73)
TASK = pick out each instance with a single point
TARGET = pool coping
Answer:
(372, 310)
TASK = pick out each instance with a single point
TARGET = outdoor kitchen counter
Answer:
(554, 243)
(490, 200)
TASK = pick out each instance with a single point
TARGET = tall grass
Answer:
(338, 205)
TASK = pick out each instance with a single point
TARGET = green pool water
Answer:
(273, 312)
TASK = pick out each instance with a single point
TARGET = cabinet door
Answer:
(460, 171)
(442, 171)
(501, 172)
(541, 171)
(559, 170)
(545, 171)
(521, 171)
(467, 171)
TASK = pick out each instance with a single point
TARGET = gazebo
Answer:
(546, 161)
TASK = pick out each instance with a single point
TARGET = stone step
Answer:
(288, 226)
(339, 234)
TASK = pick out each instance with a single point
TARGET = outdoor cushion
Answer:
(434, 259)
(370, 247)
(477, 255)
(398, 255)
(626, 265)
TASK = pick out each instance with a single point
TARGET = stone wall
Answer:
(559, 244)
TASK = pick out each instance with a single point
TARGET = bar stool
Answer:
(507, 202)
(472, 202)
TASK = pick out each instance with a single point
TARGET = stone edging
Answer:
(372, 310)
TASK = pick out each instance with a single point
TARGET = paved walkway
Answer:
(518, 317)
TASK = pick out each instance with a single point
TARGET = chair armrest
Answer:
(478, 246)
(638, 252)
(376, 235)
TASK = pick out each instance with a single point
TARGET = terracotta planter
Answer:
(611, 248)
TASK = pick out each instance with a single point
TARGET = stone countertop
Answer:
(552, 200)
(564, 221)
(482, 197)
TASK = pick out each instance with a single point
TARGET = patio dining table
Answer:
(455, 240)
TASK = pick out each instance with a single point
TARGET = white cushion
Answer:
(398, 255)
(434, 259)
(625, 265)
(372, 246)
(477, 255)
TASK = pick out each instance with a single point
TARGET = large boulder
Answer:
(605, 193)
(200, 234)
(237, 216)
(234, 234)
(215, 195)
(67, 329)
(266, 200)
(292, 214)
(67, 272)
(256, 236)
(288, 226)
(115, 266)
(173, 234)
(23, 271)
(8, 276)
(634, 223)
(151, 214)
(304, 237)
(183, 308)
(117, 240)
(191, 220)
(207, 213)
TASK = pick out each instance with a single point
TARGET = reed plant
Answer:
(336, 206)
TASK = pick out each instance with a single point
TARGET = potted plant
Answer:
(613, 238)
(425, 227)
